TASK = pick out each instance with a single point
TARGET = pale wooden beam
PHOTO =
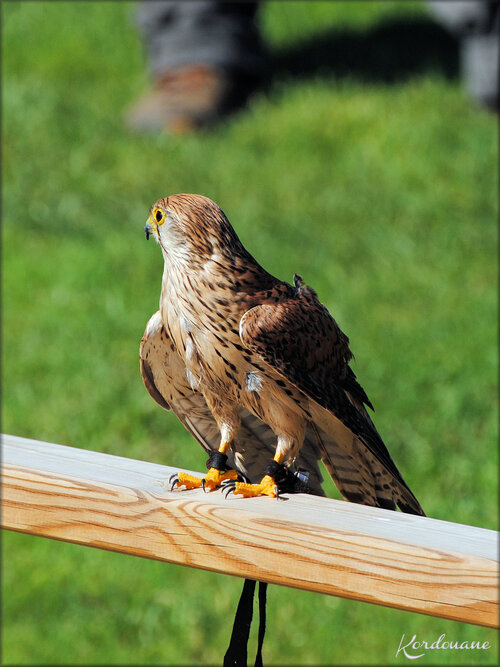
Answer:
(329, 546)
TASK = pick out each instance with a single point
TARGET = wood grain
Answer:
(408, 562)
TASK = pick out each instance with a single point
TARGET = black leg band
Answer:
(217, 460)
(277, 471)
(286, 480)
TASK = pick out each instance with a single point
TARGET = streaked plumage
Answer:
(245, 359)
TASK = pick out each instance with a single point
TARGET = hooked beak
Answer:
(148, 229)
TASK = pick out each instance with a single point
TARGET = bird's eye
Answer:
(159, 216)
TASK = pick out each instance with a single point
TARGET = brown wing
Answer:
(298, 337)
(164, 374)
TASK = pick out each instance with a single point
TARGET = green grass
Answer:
(382, 196)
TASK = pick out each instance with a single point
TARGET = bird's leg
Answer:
(268, 485)
(217, 472)
(275, 473)
(217, 469)
(216, 464)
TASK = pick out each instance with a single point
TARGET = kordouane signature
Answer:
(416, 648)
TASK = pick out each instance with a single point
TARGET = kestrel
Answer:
(257, 369)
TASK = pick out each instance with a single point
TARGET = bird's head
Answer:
(190, 227)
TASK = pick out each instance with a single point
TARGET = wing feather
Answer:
(298, 337)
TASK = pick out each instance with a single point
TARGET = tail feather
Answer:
(359, 477)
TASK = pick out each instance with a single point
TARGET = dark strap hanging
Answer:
(262, 622)
(236, 654)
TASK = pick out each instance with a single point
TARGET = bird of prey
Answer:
(257, 369)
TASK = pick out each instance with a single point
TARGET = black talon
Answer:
(174, 483)
(203, 485)
(229, 487)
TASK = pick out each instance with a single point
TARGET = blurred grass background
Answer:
(364, 168)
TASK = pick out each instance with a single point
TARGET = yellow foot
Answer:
(267, 487)
(212, 480)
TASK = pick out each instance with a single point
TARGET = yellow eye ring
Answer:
(159, 216)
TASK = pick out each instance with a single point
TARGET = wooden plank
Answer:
(419, 564)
